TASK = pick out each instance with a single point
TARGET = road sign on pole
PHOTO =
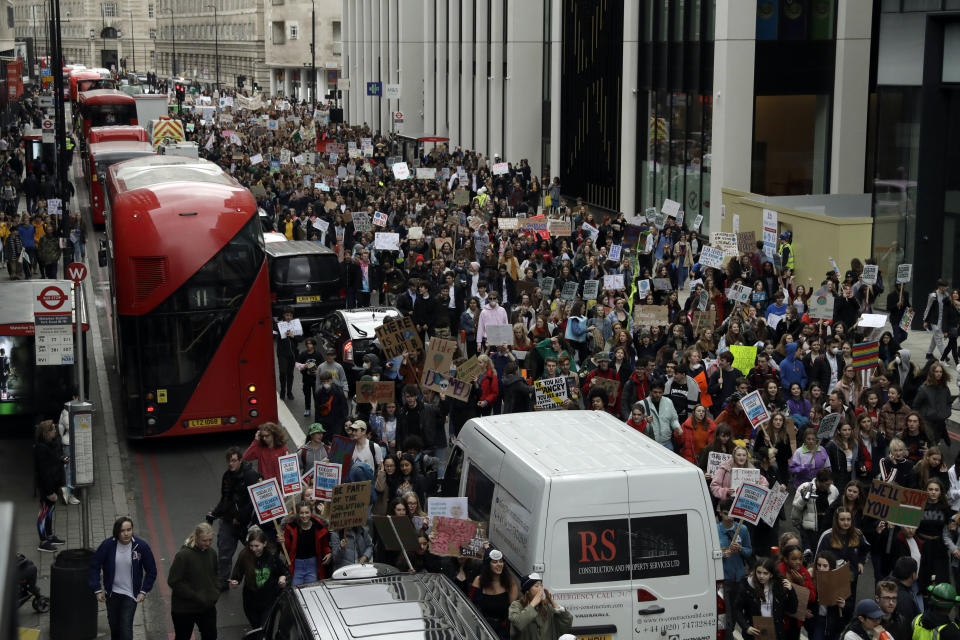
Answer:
(77, 271)
(398, 117)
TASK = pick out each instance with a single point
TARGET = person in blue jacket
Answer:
(737, 556)
(792, 369)
(129, 571)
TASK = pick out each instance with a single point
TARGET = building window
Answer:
(109, 9)
(278, 34)
(10, 17)
(151, 11)
(293, 28)
(337, 35)
(153, 34)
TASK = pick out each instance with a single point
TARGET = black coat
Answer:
(48, 466)
(235, 501)
(425, 421)
(425, 311)
(748, 606)
(515, 394)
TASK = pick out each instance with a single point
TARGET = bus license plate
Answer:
(309, 299)
(602, 636)
(204, 422)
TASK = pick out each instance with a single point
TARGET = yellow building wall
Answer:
(816, 237)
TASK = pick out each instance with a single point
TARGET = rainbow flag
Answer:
(866, 355)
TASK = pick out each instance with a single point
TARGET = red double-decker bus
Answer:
(101, 156)
(104, 107)
(191, 294)
(118, 132)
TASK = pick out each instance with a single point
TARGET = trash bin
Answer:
(73, 607)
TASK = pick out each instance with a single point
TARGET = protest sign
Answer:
(643, 287)
(550, 392)
(400, 171)
(380, 219)
(657, 218)
(449, 535)
(739, 293)
(349, 505)
(907, 319)
(726, 242)
(498, 334)
(754, 408)
(749, 502)
(508, 224)
(546, 286)
(746, 241)
(559, 228)
(426, 173)
(386, 241)
(398, 336)
(569, 291)
(904, 273)
(704, 320)
(828, 425)
(614, 282)
(500, 169)
(267, 500)
(715, 459)
(289, 474)
(803, 599)
(697, 222)
(651, 314)
(670, 207)
(470, 369)
(744, 357)
(769, 232)
(591, 288)
(833, 585)
(361, 221)
(711, 257)
(447, 508)
(889, 502)
(739, 475)
(820, 306)
(870, 274)
(326, 475)
(381, 391)
(461, 198)
(702, 300)
(590, 230)
(764, 624)
(662, 284)
(866, 355)
(536, 224)
(256, 159)
(396, 533)
(440, 354)
(415, 233)
(774, 503)
(615, 253)
(434, 380)
(459, 389)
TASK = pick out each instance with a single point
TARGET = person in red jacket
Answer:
(637, 386)
(307, 541)
(734, 416)
(698, 432)
(489, 387)
(268, 445)
(638, 417)
(603, 371)
(791, 567)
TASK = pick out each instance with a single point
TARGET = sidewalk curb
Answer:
(289, 422)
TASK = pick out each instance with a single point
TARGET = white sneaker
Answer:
(306, 413)
(72, 499)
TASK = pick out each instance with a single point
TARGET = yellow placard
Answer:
(743, 357)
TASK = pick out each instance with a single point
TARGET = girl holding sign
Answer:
(720, 486)
(307, 540)
(765, 593)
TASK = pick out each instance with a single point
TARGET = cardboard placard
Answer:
(470, 369)
(828, 425)
(754, 408)
(765, 625)
(415, 233)
(820, 306)
(449, 535)
(774, 503)
(803, 600)
(904, 273)
(498, 334)
(349, 505)
(268, 504)
(614, 282)
(559, 228)
(715, 459)
(440, 354)
(326, 475)
(892, 503)
(651, 314)
(381, 391)
(703, 320)
(551, 393)
(289, 474)
(447, 508)
(746, 241)
(398, 336)
(591, 289)
(748, 503)
(833, 585)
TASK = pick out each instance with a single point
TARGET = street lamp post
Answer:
(173, 42)
(133, 36)
(216, 37)
(313, 51)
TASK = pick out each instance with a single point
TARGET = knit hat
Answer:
(528, 581)
(316, 427)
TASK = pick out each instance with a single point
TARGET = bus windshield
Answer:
(95, 83)
(177, 340)
(102, 115)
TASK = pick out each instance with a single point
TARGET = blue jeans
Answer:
(668, 444)
(120, 610)
(304, 570)
(682, 273)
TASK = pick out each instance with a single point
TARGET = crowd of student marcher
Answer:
(461, 269)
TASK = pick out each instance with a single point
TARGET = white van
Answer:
(622, 530)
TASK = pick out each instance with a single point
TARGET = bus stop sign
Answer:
(77, 271)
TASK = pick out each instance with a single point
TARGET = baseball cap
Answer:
(359, 425)
(316, 427)
(868, 609)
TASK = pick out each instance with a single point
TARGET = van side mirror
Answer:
(102, 253)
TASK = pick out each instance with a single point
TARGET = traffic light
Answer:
(181, 92)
